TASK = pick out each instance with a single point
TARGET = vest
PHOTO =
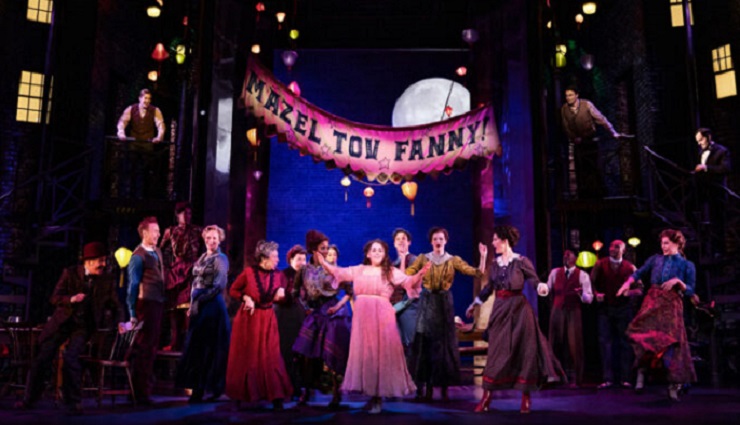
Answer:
(610, 281)
(142, 128)
(151, 286)
(564, 290)
(581, 124)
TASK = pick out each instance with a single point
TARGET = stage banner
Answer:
(377, 153)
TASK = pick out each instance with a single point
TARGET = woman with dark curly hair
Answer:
(324, 336)
(376, 365)
(519, 355)
(256, 371)
(657, 332)
(435, 351)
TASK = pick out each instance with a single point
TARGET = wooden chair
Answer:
(117, 360)
(22, 352)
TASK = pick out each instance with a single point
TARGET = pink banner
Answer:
(378, 153)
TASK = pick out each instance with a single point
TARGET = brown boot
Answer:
(484, 405)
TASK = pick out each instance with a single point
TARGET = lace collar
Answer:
(500, 259)
(438, 259)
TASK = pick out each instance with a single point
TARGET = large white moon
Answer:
(424, 102)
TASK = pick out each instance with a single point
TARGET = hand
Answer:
(248, 304)
(543, 290)
(77, 298)
(624, 289)
(670, 283)
(425, 269)
(187, 313)
(483, 250)
(156, 140)
(700, 167)
(470, 312)
(279, 294)
(121, 136)
(332, 310)
(319, 258)
(599, 297)
(121, 328)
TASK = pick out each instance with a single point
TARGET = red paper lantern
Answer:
(160, 53)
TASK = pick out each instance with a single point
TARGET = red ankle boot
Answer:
(526, 403)
(484, 403)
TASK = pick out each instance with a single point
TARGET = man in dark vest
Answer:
(85, 300)
(406, 308)
(144, 118)
(570, 287)
(613, 315)
(146, 297)
(579, 118)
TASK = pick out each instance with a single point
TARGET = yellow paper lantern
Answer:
(560, 60)
(252, 137)
(180, 54)
(152, 75)
(294, 34)
(256, 49)
(634, 241)
(123, 257)
(589, 8)
(409, 191)
(586, 259)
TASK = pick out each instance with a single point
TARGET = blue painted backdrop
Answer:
(363, 86)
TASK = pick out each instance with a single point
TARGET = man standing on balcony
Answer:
(144, 118)
(146, 297)
(579, 118)
(711, 174)
(85, 300)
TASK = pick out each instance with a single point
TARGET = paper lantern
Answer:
(153, 11)
(280, 17)
(252, 137)
(587, 61)
(345, 182)
(159, 53)
(579, 19)
(470, 35)
(448, 111)
(634, 241)
(123, 257)
(560, 60)
(368, 192)
(152, 75)
(461, 71)
(289, 57)
(294, 34)
(180, 54)
(597, 245)
(409, 191)
(589, 8)
(256, 49)
(257, 175)
(586, 259)
(295, 88)
(260, 7)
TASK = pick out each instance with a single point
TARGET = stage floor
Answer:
(553, 406)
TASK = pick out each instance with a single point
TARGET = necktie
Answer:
(567, 273)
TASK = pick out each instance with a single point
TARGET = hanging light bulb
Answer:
(634, 241)
(549, 24)
(368, 192)
(294, 34)
(597, 245)
(461, 71)
(409, 191)
(289, 57)
(152, 75)
(345, 182)
(256, 49)
(579, 19)
(280, 16)
(260, 7)
(295, 88)
(448, 111)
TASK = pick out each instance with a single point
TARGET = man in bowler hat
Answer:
(82, 297)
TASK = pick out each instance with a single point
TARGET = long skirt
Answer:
(206, 353)
(256, 371)
(658, 336)
(290, 320)
(435, 353)
(326, 337)
(519, 355)
(376, 365)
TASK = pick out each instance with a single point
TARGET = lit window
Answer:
(30, 97)
(724, 72)
(40, 10)
(677, 13)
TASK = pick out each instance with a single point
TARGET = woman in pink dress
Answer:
(376, 364)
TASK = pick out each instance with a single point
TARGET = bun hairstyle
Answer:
(263, 250)
(508, 233)
(295, 250)
(674, 236)
(314, 238)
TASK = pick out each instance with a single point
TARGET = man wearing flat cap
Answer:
(82, 297)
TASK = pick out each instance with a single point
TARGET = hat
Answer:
(94, 250)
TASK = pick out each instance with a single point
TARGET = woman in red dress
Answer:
(256, 370)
